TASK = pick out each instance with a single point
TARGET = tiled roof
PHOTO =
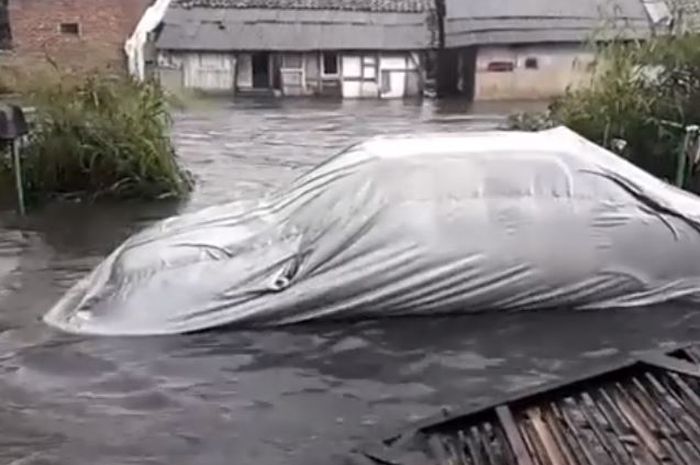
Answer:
(470, 22)
(393, 6)
(287, 30)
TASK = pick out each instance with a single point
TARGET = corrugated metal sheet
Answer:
(292, 30)
(523, 21)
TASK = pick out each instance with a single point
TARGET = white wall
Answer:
(558, 66)
(209, 71)
(244, 71)
(372, 75)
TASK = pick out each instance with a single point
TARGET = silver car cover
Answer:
(411, 225)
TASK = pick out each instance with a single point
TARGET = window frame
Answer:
(65, 29)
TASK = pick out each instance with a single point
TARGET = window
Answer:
(330, 64)
(70, 29)
(531, 63)
(292, 60)
(500, 66)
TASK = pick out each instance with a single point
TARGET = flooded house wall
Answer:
(350, 75)
(383, 75)
(530, 72)
(244, 71)
(209, 71)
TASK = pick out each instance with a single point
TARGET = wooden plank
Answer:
(576, 434)
(691, 399)
(588, 408)
(640, 454)
(555, 455)
(654, 417)
(473, 448)
(515, 441)
(679, 434)
(616, 424)
(648, 441)
(668, 401)
(505, 451)
(463, 445)
(437, 448)
(564, 437)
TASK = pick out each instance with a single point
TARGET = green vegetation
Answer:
(642, 92)
(100, 136)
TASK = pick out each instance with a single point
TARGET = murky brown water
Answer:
(305, 395)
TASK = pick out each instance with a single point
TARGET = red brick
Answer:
(104, 26)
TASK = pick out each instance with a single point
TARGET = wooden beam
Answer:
(515, 440)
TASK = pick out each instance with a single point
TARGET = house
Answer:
(71, 34)
(348, 48)
(534, 49)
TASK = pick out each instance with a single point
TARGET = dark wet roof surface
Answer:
(400, 6)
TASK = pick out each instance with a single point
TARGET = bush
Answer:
(642, 92)
(102, 137)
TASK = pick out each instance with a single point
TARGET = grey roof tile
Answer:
(401, 6)
(471, 22)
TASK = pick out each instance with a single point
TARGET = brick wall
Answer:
(74, 34)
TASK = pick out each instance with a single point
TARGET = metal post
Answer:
(18, 175)
(690, 132)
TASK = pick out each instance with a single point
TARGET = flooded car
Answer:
(408, 225)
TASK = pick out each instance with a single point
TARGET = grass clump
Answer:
(99, 136)
(644, 92)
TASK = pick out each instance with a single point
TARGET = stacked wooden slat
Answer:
(649, 417)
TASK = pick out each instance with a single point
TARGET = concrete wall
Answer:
(92, 35)
(538, 71)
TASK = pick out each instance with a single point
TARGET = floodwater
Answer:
(294, 396)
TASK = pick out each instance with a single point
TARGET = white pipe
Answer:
(134, 46)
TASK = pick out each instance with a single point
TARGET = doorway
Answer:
(261, 70)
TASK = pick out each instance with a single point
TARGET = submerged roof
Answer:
(297, 25)
(523, 21)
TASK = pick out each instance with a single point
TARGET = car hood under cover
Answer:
(413, 225)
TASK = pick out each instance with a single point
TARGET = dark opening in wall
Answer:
(330, 63)
(71, 29)
(531, 63)
(500, 66)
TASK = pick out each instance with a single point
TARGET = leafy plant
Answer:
(644, 92)
(102, 137)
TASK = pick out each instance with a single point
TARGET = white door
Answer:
(393, 76)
